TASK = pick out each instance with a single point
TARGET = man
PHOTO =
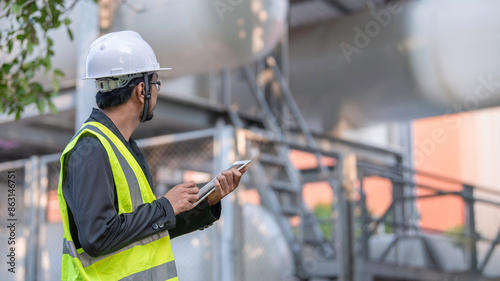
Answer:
(114, 227)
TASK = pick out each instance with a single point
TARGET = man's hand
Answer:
(225, 183)
(182, 196)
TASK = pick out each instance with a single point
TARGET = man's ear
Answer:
(140, 92)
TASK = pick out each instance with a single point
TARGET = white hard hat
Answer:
(119, 54)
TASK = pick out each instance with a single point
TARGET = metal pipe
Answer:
(402, 61)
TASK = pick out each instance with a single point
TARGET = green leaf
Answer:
(28, 99)
(20, 91)
(31, 21)
(55, 84)
(52, 107)
(32, 8)
(36, 87)
(29, 74)
(40, 104)
(25, 66)
(6, 67)
(58, 72)
(30, 47)
(16, 9)
(24, 84)
(47, 63)
(70, 33)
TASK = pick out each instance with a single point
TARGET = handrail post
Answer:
(468, 196)
(365, 217)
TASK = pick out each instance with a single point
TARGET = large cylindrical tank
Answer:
(401, 61)
(198, 35)
(190, 36)
(266, 255)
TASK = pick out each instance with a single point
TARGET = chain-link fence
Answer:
(177, 162)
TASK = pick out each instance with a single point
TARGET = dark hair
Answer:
(118, 96)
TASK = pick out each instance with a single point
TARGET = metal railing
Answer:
(465, 237)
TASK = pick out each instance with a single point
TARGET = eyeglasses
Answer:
(157, 83)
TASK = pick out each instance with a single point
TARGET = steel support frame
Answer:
(87, 32)
(467, 195)
(31, 209)
(339, 6)
(228, 236)
(344, 208)
(471, 227)
(490, 252)
(43, 272)
(23, 261)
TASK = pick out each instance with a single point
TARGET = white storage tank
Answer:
(191, 36)
(266, 254)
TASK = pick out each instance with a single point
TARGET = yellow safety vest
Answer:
(148, 259)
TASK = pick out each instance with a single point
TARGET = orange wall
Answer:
(378, 193)
(437, 149)
(317, 192)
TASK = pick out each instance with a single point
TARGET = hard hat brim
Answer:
(122, 74)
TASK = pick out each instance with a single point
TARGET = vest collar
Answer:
(102, 118)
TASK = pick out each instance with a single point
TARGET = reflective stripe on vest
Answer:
(150, 258)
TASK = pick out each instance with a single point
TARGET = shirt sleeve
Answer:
(90, 194)
(200, 217)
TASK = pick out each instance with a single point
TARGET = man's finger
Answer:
(187, 184)
(193, 198)
(223, 183)
(229, 179)
(243, 170)
(192, 190)
(237, 177)
(218, 188)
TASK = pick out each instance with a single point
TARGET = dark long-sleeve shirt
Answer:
(90, 194)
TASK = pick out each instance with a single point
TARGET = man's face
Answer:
(153, 89)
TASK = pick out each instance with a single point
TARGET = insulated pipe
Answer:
(198, 35)
(191, 36)
(406, 61)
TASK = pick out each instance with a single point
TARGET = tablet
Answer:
(210, 186)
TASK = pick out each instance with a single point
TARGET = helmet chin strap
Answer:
(146, 99)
